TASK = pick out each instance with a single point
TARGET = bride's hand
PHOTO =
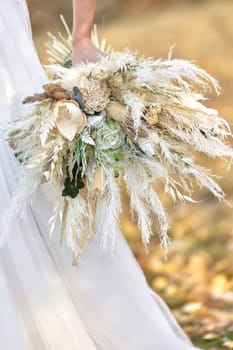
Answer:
(84, 51)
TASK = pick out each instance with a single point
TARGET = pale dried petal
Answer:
(70, 120)
(98, 179)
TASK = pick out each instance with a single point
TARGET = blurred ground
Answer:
(197, 279)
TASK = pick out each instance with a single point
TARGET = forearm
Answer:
(83, 16)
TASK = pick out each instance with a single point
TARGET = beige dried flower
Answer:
(95, 95)
(117, 111)
(99, 71)
(151, 115)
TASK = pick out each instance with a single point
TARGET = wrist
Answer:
(83, 40)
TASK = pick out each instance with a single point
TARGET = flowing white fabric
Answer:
(45, 302)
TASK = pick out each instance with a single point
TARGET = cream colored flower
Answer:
(99, 72)
(110, 136)
(95, 94)
(70, 120)
(70, 80)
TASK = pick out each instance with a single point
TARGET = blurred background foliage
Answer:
(197, 278)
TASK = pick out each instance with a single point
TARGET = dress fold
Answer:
(46, 303)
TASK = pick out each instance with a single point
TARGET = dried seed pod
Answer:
(151, 115)
(142, 132)
(152, 118)
(117, 111)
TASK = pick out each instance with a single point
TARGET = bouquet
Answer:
(124, 117)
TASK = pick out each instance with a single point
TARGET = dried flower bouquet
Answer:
(125, 116)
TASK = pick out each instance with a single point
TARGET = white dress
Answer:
(45, 302)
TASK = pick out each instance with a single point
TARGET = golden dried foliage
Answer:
(53, 91)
